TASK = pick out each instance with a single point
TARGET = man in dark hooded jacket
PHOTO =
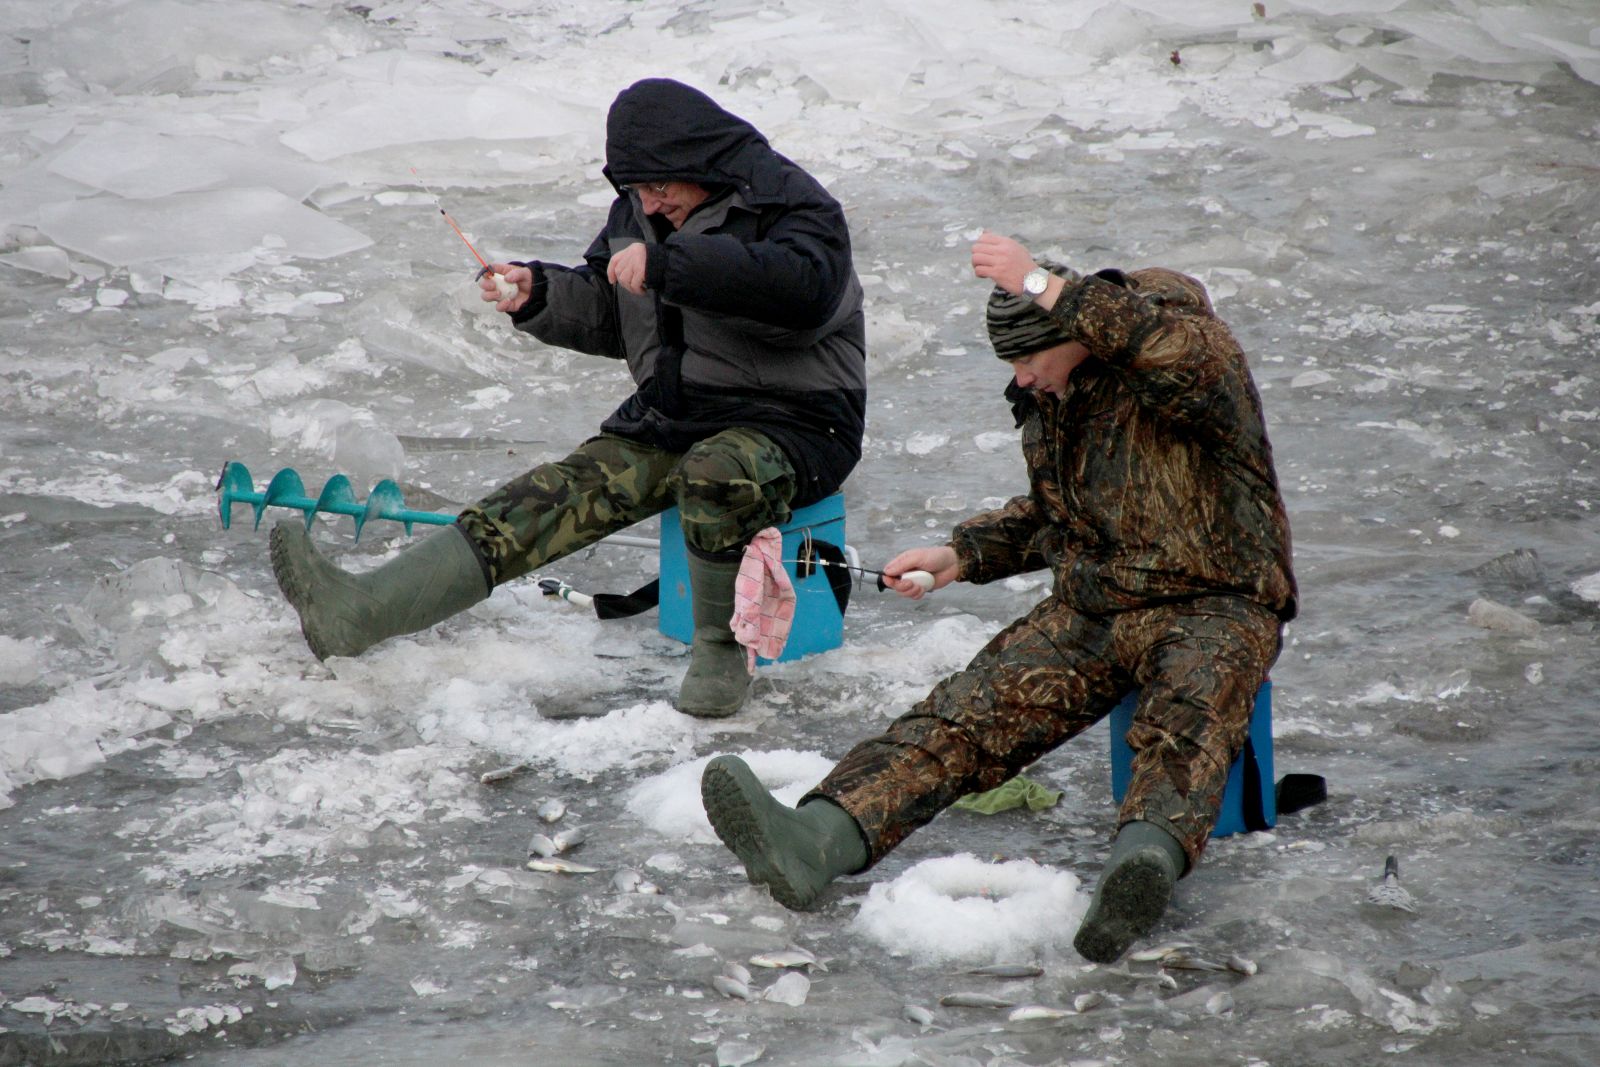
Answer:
(1153, 500)
(723, 277)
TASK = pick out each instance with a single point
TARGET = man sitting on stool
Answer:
(1154, 501)
(723, 277)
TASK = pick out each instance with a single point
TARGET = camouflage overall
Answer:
(727, 488)
(1048, 677)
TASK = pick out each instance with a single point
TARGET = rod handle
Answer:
(922, 579)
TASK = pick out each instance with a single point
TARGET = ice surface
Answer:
(145, 164)
(213, 246)
(388, 99)
(198, 235)
(166, 45)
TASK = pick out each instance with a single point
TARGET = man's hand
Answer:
(1002, 260)
(1005, 262)
(939, 561)
(521, 277)
(626, 269)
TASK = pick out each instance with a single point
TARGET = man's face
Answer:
(671, 200)
(1047, 371)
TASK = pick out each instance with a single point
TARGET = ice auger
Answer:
(286, 490)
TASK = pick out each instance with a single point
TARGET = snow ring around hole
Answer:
(960, 908)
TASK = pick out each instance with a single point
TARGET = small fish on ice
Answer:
(731, 987)
(1087, 1001)
(1029, 1012)
(789, 957)
(1009, 970)
(975, 1000)
(554, 865)
(552, 810)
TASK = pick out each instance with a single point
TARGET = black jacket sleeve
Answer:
(792, 275)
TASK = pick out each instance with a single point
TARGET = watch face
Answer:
(1035, 282)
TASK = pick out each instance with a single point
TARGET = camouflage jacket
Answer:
(1151, 477)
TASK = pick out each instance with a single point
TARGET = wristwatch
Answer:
(1036, 281)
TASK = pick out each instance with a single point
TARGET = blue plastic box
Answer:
(1231, 817)
(818, 623)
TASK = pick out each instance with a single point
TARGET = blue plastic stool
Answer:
(1244, 780)
(818, 623)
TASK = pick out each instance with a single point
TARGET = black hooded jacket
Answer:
(752, 315)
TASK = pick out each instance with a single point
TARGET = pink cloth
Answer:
(763, 599)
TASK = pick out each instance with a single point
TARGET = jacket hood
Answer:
(1170, 289)
(661, 130)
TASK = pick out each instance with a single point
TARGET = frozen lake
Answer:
(213, 247)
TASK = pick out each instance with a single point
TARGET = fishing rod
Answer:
(922, 579)
(506, 289)
(557, 589)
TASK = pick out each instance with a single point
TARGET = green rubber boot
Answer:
(718, 680)
(1144, 866)
(794, 852)
(344, 614)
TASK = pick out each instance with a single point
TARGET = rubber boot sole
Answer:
(1126, 907)
(741, 812)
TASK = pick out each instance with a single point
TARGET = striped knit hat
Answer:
(1018, 327)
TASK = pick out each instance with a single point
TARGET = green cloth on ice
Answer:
(1016, 793)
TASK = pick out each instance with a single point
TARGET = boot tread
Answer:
(1129, 902)
(740, 810)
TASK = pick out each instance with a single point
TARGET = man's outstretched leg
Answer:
(344, 614)
(794, 852)
(1144, 865)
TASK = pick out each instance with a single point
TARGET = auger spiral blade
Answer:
(286, 490)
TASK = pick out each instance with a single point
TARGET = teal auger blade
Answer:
(382, 502)
(235, 486)
(337, 498)
(286, 490)
(385, 502)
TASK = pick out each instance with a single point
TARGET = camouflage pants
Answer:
(727, 488)
(1048, 677)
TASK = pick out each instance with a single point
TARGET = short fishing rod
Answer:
(922, 579)
(558, 589)
(507, 290)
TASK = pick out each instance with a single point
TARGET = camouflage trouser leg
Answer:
(722, 486)
(1048, 677)
(729, 488)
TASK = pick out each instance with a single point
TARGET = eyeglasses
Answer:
(655, 187)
